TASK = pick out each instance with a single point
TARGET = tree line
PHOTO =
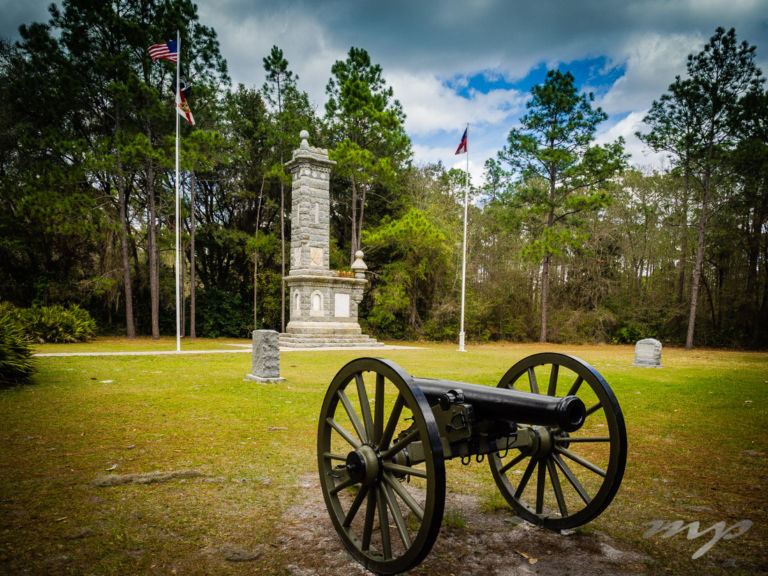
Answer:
(566, 243)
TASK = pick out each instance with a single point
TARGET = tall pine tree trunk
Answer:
(698, 265)
(359, 242)
(130, 328)
(353, 235)
(544, 296)
(545, 268)
(683, 240)
(154, 273)
(122, 203)
(256, 261)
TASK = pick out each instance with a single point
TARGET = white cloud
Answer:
(431, 106)
(641, 155)
(652, 62)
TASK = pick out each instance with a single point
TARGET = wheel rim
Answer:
(373, 424)
(563, 480)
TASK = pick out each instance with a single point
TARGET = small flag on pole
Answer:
(182, 107)
(462, 149)
(166, 51)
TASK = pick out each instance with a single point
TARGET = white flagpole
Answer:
(178, 251)
(464, 258)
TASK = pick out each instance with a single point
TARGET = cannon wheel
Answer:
(563, 480)
(381, 465)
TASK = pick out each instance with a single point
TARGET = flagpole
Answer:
(178, 251)
(464, 258)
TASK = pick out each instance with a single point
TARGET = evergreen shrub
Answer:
(57, 324)
(15, 350)
(222, 314)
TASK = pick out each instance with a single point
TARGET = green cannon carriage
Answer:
(552, 431)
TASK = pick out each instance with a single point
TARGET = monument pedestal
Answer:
(265, 357)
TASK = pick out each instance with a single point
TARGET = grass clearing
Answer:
(697, 452)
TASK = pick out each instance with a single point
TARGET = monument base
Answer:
(328, 340)
(254, 378)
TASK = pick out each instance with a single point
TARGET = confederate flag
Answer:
(462, 149)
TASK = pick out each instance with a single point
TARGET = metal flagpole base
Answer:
(461, 341)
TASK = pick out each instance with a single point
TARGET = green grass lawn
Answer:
(697, 452)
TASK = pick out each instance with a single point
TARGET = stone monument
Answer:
(648, 353)
(323, 302)
(265, 357)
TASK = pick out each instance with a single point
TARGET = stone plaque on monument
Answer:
(648, 353)
(266, 357)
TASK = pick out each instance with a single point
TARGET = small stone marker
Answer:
(648, 353)
(266, 357)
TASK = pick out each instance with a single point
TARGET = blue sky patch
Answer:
(596, 74)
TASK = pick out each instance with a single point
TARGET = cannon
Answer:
(552, 431)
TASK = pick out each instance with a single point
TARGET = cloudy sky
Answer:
(455, 62)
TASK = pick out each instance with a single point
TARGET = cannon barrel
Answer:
(566, 412)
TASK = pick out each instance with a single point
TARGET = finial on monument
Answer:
(304, 135)
(358, 266)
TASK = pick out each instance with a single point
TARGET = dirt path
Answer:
(490, 545)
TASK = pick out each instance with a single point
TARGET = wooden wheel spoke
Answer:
(345, 483)
(343, 432)
(525, 478)
(593, 409)
(572, 479)
(370, 509)
(552, 388)
(353, 417)
(365, 407)
(540, 484)
(400, 469)
(378, 417)
(330, 456)
(407, 438)
(394, 417)
(579, 460)
(352, 512)
(576, 386)
(386, 541)
(405, 496)
(557, 488)
(397, 515)
(532, 379)
(516, 460)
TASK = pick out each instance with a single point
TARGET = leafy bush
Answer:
(629, 333)
(57, 324)
(15, 350)
(582, 325)
(221, 313)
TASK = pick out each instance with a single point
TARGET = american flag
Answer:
(167, 51)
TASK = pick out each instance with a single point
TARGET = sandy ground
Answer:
(496, 544)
